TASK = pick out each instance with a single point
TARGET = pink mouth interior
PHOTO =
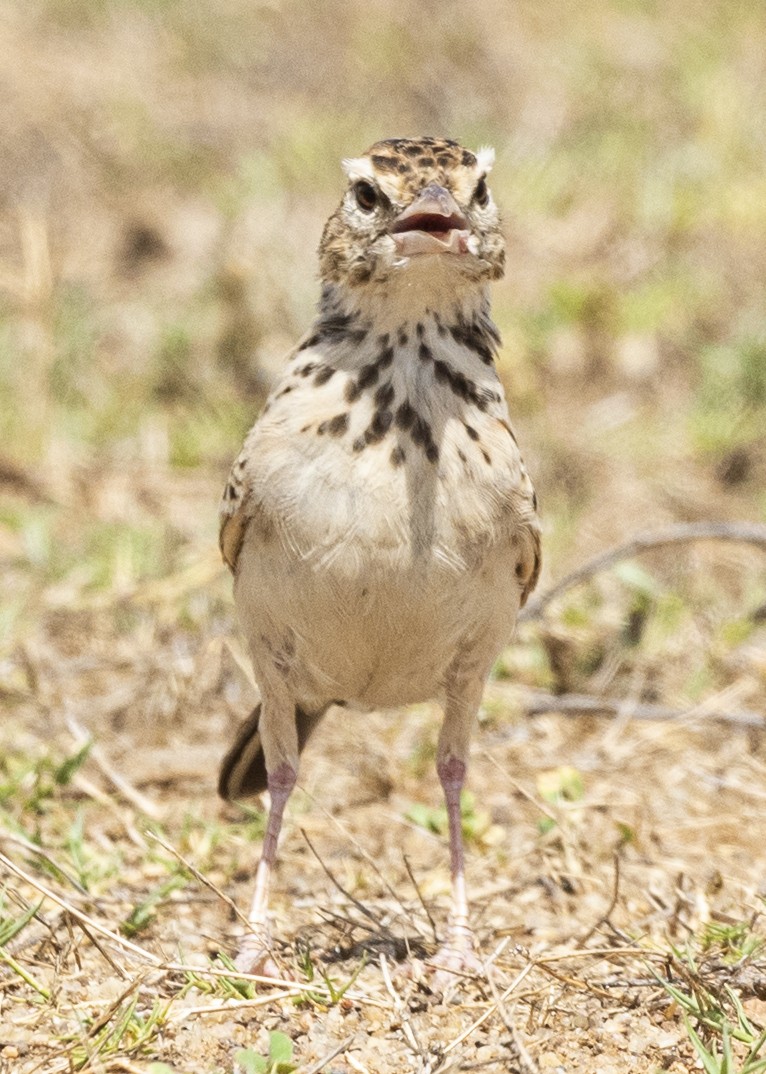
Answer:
(434, 223)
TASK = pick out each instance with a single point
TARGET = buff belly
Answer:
(376, 633)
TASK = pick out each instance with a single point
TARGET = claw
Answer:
(255, 957)
(457, 958)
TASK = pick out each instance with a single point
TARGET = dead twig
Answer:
(741, 532)
(354, 902)
(231, 1005)
(401, 1010)
(78, 915)
(355, 1064)
(538, 803)
(466, 1033)
(526, 1063)
(419, 894)
(200, 877)
(315, 1068)
(27, 844)
(573, 982)
(118, 969)
(610, 908)
(369, 859)
(540, 701)
(289, 987)
(90, 1032)
(608, 953)
(126, 789)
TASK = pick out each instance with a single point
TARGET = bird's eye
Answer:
(481, 193)
(366, 196)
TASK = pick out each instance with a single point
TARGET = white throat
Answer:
(428, 286)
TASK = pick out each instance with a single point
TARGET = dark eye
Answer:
(366, 196)
(481, 193)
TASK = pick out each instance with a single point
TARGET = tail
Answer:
(243, 769)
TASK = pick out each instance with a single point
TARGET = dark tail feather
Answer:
(243, 769)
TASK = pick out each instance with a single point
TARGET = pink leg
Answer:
(457, 954)
(254, 955)
(452, 776)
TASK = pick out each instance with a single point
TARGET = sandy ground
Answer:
(167, 168)
(643, 868)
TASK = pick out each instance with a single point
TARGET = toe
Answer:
(452, 962)
(255, 957)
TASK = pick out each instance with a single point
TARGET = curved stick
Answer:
(539, 702)
(743, 532)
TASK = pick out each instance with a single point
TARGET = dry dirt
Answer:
(580, 904)
(167, 167)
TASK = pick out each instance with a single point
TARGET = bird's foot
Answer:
(255, 956)
(457, 958)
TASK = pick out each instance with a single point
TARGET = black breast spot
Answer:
(368, 375)
(337, 426)
(425, 354)
(405, 415)
(384, 396)
(379, 426)
(385, 358)
(352, 392)
(326, 372)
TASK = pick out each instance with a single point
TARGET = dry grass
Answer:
(168, 167)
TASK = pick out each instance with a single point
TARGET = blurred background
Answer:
(167, 167)
(165, 173)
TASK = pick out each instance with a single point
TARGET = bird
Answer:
(379, 522)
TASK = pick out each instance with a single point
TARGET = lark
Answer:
(379, 521)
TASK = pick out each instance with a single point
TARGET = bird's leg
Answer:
(457, 954)
(254, 955)
(280, 746)
(452, 776)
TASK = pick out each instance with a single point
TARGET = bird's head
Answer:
(414, 207)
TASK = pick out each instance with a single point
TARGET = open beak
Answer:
(432, 224)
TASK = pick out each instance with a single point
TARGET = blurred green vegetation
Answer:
(170, 165)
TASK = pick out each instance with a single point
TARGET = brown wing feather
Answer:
(234, 514)
(230, 538)
(531, 580)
